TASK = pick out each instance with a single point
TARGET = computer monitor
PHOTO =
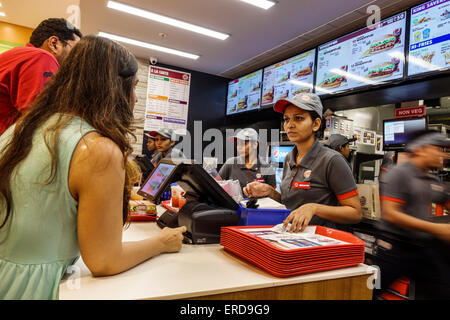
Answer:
(397, 132)
(194, 180)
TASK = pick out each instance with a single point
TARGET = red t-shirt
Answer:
(23, 74)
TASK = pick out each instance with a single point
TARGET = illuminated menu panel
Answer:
(244, 94)
(288, 78)
(369, 56)
(429, 48)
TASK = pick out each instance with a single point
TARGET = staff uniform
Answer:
(415, 254)
(322, 176)
(235, 169)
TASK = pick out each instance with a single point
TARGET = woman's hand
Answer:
(172, 239)
(257, 190)
(300, 218)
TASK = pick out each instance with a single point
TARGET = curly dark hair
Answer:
(58, 27)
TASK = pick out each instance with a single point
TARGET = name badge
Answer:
(260, 180)
(302, 185)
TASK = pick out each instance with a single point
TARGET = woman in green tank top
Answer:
(66, 178)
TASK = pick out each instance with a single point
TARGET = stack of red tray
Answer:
(319, 250)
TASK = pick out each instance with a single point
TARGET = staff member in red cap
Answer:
(165, 140)
(25, 70)
(317, 185)
(414, 245)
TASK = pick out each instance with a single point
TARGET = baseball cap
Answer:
(431, 138)
(165, 132)
(305, 101)
(149, 136)
(337, 140)
(248, 134)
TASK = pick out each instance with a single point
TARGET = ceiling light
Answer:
(148, 45)
(2, 14)
(265, 4)
(159, 18)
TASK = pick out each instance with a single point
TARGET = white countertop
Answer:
(195, 271)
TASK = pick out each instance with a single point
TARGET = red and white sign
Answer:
(418, 111)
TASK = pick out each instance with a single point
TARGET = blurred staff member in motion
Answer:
(420, 247)
(247, 167)
(145, 161)
(25, 70)
(341, 144)
(317, 185)
(165, 140)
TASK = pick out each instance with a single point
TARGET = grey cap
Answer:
(165, 132)
(305, 101)
(149, 136)
(432, 139)
(248, 134)
(337, 140)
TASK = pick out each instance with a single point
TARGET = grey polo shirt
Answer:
(415, 190)
(235, 169)
(323, 176)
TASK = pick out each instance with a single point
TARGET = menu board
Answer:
(365, 57)
(429, 37)
(288, 78)
(244, 94)
(167, 100)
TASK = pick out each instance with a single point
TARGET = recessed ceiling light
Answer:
(170, 21)
(265, 4)
(148, 45)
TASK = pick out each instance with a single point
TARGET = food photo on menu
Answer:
(365, 57)
(429, 37)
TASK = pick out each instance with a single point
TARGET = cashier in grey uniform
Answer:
(248, 166)
(317, 184)
(341, 144)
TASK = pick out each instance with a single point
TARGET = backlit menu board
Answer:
(429, 37)
(244, 94)
(365, 57)
(288, 78)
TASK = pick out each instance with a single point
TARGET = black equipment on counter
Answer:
(208, 208)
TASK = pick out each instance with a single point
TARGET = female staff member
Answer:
(248, 167)
(164, 141)
(66, 179)
(317, 183)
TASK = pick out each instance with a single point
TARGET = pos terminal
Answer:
(208, 208)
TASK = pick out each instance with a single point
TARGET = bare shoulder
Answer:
(97, 152)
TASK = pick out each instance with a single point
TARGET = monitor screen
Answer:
(288, 78)
(397, 132)
(244, 94)
(429, 44)
(369, 56)
(278, 153)
(152, 187)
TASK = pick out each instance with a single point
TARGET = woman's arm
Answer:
(96, 180)
(348, 213)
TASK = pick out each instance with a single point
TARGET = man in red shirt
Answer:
(25, 70)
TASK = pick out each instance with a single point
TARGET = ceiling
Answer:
(258, 37)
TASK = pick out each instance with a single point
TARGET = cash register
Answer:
(208, 208)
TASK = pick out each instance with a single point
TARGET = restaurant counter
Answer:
(203, 272)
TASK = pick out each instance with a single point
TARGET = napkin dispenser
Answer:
(204, 222)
